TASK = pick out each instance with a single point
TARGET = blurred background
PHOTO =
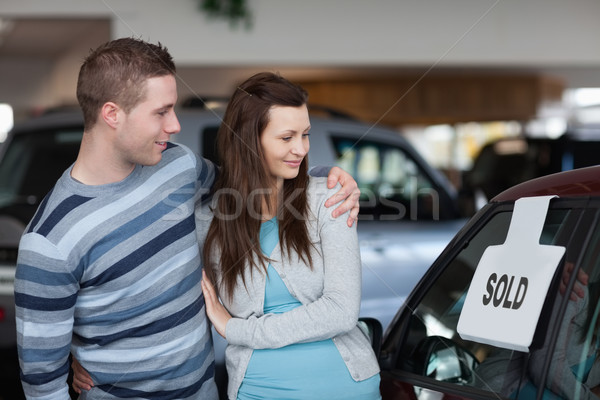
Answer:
(451, 76)
(490, 92)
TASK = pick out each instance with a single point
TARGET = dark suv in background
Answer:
(506, 162)
(408, 214)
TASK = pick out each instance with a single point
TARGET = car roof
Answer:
(50, 120)
(74, 117)
(332, 119)
(582, 182)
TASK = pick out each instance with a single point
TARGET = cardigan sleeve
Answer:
(335, 312)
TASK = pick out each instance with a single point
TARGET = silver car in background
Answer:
(409, 210)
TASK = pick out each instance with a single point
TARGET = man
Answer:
(109, 266)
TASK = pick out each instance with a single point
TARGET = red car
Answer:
(511, 308)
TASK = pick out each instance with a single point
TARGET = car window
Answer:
(392, 184)
(430, 345)
(33, 162)
(574, 368)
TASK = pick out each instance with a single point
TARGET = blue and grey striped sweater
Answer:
(112, 274)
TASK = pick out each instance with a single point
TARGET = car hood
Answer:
(395, 255)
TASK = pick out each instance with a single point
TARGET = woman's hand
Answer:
(215, 311)
(81, 379)
(349, 193)
(578, 288)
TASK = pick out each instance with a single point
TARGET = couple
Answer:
(109, 268)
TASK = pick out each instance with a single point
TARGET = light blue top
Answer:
(302, 370)
(330, 294)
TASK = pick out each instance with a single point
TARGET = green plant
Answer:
(235, 11)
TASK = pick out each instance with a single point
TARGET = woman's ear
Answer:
(110, 114)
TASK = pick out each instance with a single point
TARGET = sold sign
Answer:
(509, 286)
(500, 291)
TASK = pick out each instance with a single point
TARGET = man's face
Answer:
(143, 135)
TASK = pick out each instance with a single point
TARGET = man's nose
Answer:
(173, 125)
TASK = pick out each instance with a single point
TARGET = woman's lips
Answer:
(294, 164)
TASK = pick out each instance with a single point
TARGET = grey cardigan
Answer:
(330, 295)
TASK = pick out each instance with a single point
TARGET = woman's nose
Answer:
(301, 147)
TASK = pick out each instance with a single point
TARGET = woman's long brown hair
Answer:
(244, 183)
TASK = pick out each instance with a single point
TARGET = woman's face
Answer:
(285, 140)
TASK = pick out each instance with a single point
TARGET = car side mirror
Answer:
(444, 360)
(373, 329)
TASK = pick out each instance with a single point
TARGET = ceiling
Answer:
(44, 38)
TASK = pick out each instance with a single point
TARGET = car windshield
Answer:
(33, 162)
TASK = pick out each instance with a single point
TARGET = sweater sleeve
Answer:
(335, 312)
(45, 296)
(319, 171)
(206, 173)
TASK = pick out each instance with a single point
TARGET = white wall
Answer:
(355, 32)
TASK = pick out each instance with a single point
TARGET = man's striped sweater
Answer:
(112, 274)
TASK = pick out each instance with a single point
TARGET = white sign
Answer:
(509, 286)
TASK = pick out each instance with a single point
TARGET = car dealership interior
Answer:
(489, 93)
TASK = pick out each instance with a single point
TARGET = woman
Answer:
(288, 274)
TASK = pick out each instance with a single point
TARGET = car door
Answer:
(423, 356)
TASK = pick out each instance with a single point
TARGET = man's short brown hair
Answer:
(116, 71)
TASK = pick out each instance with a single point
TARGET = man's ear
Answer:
(110, 113)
